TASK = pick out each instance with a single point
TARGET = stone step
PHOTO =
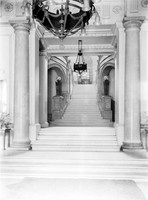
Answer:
(77, 139)
(80, 125)
(84, 101)
(85, 165)
(75, 124)
(100, 163)
(75, 148)
(83, 110)
(78, 131)
(74, 142)
(84, 106)
(75, 169)
(76, 164)
(108, 138)
(81, 114)
(82, 119)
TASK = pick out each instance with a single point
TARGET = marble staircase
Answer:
(81, 129)
(83, 151)
(83, 109)
(77, 139)
(74, 165)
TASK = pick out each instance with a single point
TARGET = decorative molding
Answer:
(144, 3)
(19, 8)
(134, 6)
(117, 9)
(75, 47)
(89, 33)
(8, 7)
(106, 11)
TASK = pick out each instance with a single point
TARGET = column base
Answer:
(44, 125)
(119, 129)
(34, 131)
(21, 146)
(131, 146)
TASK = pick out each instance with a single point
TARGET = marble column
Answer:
(43, 62)
(132, 83)
(119, 83)
(21, 87)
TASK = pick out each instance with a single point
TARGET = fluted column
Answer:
(132, 83)
(43, 89)
(21, 87)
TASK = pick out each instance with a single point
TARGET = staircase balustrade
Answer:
(105, 107)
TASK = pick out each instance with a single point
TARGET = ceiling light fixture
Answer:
(80, 66)
(63, 17)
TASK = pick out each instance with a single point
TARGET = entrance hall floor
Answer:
(23, 185)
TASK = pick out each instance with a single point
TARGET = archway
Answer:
(54, 71)
(108, 70)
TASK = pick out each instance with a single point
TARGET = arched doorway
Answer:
(108, 72)
(54, 71)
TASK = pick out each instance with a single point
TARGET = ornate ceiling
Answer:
(99, 39)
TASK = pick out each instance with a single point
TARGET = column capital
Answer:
(20, 25)
(132, 22)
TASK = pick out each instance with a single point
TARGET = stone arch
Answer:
(108, 69)
(59, 70)
(105, 71)
(54, 70)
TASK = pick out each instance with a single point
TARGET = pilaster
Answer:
(43, 64)
(119, 82)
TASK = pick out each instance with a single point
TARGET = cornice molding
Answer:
(91, 31)
(100, 50)
(75, 47)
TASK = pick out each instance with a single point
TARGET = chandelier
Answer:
(63, 17)
(80, 66)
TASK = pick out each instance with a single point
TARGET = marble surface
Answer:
(72, 189)
(29, 188)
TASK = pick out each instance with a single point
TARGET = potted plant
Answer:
(5, 121)
(6, 126)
